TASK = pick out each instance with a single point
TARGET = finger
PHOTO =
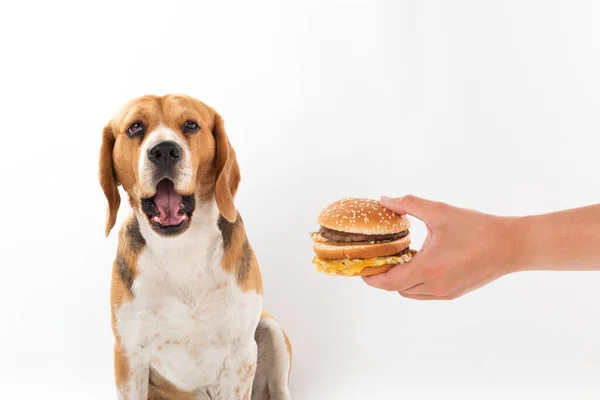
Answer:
(424, 289)
(419, 297)
(400, 277)
(414, 289)
(425, 210)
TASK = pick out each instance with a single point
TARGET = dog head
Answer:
(167, 153)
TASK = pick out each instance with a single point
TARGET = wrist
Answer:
(521, 237)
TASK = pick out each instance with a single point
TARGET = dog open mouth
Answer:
(168, 211)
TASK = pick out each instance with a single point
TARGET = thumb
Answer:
(425, 210)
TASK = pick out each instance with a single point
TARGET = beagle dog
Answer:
(186, 290)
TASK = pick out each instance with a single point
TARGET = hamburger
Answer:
(360, 237)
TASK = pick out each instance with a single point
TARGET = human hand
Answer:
(464, 250)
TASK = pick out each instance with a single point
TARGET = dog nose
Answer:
(165, 154)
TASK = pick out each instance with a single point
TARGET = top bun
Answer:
(363, 216)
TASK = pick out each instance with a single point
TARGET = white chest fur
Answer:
(188, 321)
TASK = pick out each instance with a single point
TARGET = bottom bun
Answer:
(360, 267)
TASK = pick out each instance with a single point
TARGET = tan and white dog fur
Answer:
(186, 298)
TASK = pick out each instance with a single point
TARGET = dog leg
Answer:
(274, 361)
(136, 387)
(132, 375)
(240, 368)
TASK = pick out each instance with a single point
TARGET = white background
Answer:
(491, 105)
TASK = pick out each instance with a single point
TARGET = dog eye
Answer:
(135, 129)
(190, 127)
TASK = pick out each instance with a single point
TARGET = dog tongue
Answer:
(168, 203)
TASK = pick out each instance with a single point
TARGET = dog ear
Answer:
(106, 175)
(227, 171)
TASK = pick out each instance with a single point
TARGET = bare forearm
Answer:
(564, 240)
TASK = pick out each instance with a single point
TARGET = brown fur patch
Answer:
(246, 370)
(124, 272)
(264, 315)
(161, 389)
(238, 257)
(131, 243)
(133, 236)
(107, 178)
(227, 171)
(121, 364)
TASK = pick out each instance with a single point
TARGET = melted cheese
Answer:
(350, 267)
(317, 237)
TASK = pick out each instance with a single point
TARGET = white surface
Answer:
(484, 104)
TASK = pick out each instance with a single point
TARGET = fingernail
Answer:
(385, 198)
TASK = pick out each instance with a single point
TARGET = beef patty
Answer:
(401, 253)
(337, 236)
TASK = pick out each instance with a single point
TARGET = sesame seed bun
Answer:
(362, 216)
